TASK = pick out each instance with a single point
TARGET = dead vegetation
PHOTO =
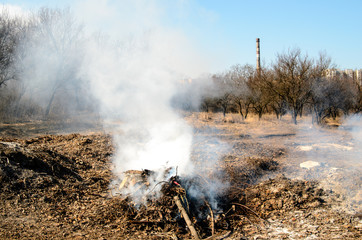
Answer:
(58, 187)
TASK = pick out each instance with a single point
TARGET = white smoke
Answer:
(135, 66)
(135, 80)
(353, 125)
(331, 156)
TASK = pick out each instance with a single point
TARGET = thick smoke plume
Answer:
(137, 71)
(138, 80)
(135, 87)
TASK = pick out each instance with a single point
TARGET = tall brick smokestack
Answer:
(258, 55)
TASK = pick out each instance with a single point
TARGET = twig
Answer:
(186, 217)
(155, 187)
(123, 183)
(145, 221)
(212, 218)
(241, 205)
(232, 208)
(254, 224)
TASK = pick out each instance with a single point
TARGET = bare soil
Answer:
(57, 186)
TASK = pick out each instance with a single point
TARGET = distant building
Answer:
(359, 76)
(331, 73)
(350, 73)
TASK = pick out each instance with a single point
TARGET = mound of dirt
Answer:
(297, 209)
(24, 169)
(281, 194)
(46, 183)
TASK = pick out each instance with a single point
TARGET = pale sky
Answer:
(225, 30)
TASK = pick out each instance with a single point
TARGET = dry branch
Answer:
(212, 218)
(186, 217)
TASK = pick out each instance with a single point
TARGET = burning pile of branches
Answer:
(181, 205)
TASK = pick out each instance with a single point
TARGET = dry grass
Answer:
(66, 196)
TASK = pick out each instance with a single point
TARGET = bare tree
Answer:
(9, 32)
(322, 88)
(224, 101)
(292, 81)
(260, 93)
(223, 91)
(333, 96)
(12, 32)
(240, 77)
(358, 107)
(208, 104)
(52, 53)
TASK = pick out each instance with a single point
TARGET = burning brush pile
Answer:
(183, 208)
(182, 205)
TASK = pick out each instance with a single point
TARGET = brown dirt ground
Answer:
(56, 186)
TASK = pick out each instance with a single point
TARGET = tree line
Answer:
(41, 57)
(294, 83)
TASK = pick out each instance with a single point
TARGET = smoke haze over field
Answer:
(135, 68)
(124, 62)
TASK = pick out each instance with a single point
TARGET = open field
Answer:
(336, 149)
(55, 184)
